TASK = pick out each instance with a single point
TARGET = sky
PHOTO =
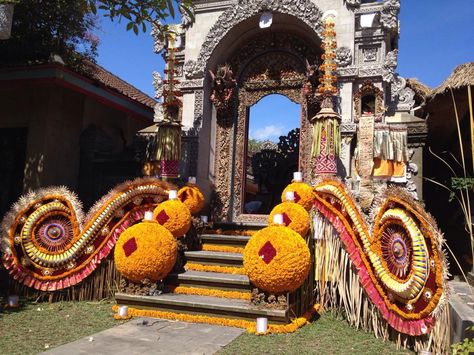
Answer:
(435, 37)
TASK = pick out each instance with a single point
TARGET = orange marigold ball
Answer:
(304, 194)
(295, 217)
(192, 197)
(174, 216)
(145, 251)
(277, 259)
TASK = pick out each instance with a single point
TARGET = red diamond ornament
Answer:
(183, 196)
(286, 219)
(130, 246)
(267, 252)
(297, 197)
(162, 217)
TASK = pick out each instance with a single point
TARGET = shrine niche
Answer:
(369, 101)
(273, 63)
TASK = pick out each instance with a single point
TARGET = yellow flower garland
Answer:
(145, 251)
(216, 268)
(182, 290)
(174, 216)
(222, 248)
(277, 259)
(192, 197)
(298, 216)
(250, 326)
(303, 192)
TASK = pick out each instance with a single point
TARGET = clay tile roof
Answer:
(462, 76)
(96, 72)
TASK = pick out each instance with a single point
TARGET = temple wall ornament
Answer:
(189, 69)
(353, 3)
(186, 17)
(374, 106)
(343, 57)
(304, 10)
(223, 85)
(389, 65)
(389, 14)
(158, 84)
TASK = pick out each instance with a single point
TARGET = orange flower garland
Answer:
(174, 216)
(222, 248)
(145, 251)
(295, 217)
(277, 259)
(183, 290)
(304, 194)
(192, 197)
(250, 326)
(216, 268)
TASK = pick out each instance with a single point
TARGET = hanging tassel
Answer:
(168, 149)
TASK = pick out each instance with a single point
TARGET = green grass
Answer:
(28, 330)
(327, 335)
(35, 327)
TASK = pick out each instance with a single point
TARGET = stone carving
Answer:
(223, 84)
(269, 145)
(378, 110)
(305, 10)
(406, 99)
(353, 3)
(158, 115)
(158, 84)
(159, 41)
(370, 54)
(412, 171)
(347, 72)
(389, 14)
(190, 85)
(186, 18)
(189, 69)
(343, 57)
(370, 71)
(389, 66)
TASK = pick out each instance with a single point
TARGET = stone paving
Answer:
(152, 336)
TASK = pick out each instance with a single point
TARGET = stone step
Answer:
(203, 305)
(214, 280)
(214, 258)
(227, 240)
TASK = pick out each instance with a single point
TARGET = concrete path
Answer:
(152, 336)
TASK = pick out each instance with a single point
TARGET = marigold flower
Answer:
(145, 251)
(277, 259)
(295, 217)
(174, 216)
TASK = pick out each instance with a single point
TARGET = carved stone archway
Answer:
(304, 10)
(273, 63)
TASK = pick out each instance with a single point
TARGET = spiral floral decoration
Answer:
(295, 217)
(47, 243)
(145, 251)
(277, 259)
(401, 264)
(304, 194)
(174, 216)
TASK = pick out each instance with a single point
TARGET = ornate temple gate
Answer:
(274, 63)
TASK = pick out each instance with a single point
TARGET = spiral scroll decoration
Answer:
(48, 245)
(400, 263)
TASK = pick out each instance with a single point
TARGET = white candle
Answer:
(173, 195)
(289, 196)
(13, 300)
(148, 216)
(204, 219)
(123, 311)
(278, 219)
(262, 325)
(298, 176)
(192, 180)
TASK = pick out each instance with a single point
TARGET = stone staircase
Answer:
(200, 282)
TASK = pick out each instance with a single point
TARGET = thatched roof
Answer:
(462, 76)
(421, 90)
